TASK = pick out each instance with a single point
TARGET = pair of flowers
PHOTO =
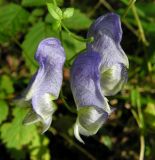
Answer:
(98, 72)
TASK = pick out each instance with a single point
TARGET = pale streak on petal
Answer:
(77, 133)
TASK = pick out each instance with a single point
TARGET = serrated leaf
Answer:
(3, 110)
(78, 21)
(38, 32)
(55, 11)
(12, 19)
(15, 134)
(68, 13)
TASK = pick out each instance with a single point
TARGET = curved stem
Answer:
(65, 103)
(90, 39)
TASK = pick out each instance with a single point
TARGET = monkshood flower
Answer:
(107, 34)
(92, 106)
(100, 71)
(46, 83)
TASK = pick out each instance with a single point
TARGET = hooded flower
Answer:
(100, 71)
(46, 83)
(107, 34)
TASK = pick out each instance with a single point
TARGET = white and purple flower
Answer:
(100, 71)
(46, 83)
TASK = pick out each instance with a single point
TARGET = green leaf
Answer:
(55, 11)
(39, 148)
(68, 13)
(78, 21)
(147, 8)
(106, 140)
(71, 45)
(149, 114)
(3, 110)
(37, 33)
(30, 3)
(6, 84)
(15, 134)
(12, 19)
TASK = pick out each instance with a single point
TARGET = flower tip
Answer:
(46, 124)
(76, 133)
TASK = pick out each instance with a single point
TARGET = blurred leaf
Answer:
(6, 84)
(12, 19)
(147, 8)
(149, 26)
(31, 3)
(38, 12)
(37, 33)
(14, 133)
(149, 114)
(39, 148)
(3, 110)
(133, 97)
(68, 13)
(78, 21)
(106, 140)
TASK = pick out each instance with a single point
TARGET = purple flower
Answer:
(100, 71)
(92, 106)
(107, 33)
(46, 83)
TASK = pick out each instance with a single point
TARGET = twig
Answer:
(141, 31)
(128, 8)
(142, 147)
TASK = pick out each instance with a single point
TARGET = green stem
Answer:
(141, 31)
(128, 8)
(68, 61)
(142, 147)
(60, 35)
(136, 117)
(66, 104)
(90, 39)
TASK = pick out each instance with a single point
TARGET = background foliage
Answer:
(128, 134)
